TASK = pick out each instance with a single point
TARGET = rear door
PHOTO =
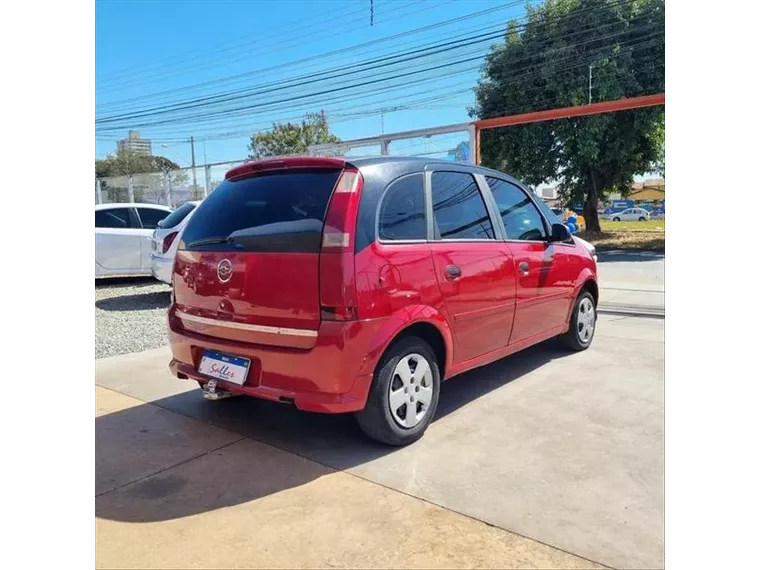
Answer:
(545, 275)
(149, 220)
(117, 240)
(474, 270)
(247, 266)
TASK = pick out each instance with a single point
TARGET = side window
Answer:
(112, 218)
(522, 220)
(151, 216)
(459, 211)
(402, 210)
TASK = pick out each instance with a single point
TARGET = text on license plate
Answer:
(224, 367)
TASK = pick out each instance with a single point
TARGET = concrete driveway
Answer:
(544, 459)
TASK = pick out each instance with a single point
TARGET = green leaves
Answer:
(544, 64)
(290, 138)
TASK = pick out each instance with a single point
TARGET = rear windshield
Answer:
(177, 215)
(277, 212)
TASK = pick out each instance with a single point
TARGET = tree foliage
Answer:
(544, 64)
(125, 162)
(292, 138)
(150, 175)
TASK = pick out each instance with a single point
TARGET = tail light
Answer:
(168, 241)
(337, 286)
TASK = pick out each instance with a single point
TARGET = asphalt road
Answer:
(632, 282)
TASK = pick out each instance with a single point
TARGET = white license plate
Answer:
(232, 369)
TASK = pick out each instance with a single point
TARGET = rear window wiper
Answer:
(210, 241)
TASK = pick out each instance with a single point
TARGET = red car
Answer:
(340, 285)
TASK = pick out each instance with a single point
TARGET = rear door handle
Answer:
(524, 267)
(453, 272)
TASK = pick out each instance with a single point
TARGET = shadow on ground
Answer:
(616, 255)
(116, 282)
(135, 302)
(235, 473)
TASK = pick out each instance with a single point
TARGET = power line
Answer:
(174, 61)
(349, 49)
(271, 48)
(311, 94)
(309, 80)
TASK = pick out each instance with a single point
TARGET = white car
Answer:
(123, 238)
(629, 215)
(166, 241)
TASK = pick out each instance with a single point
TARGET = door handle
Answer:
(453, 272)
(523, 268)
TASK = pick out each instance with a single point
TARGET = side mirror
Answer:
(560, 232)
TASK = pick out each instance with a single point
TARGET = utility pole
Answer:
(192, 154)
(590, 67)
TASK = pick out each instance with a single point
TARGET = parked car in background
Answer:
(166, 240)
(358, 285)
(123, 238)
(628, 215)
(657, 214)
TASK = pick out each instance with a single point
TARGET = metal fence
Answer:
(171, 188)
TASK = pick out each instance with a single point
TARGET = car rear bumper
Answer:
(332, 377)
(161, 268)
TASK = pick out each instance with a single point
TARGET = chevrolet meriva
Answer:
(340, 285)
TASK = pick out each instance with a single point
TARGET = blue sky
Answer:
(147, 47)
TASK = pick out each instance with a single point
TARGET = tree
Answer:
(126, 162)
(149, 175)
(290, 138)
(544, 63)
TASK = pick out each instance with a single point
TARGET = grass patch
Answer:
(608, 225)
(643, 236)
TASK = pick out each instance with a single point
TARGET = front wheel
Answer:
(642, 219)
(615, 219)
(582, 323)
(404, 394)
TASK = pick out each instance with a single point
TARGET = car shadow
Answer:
(116, 282)
(622, 255)
(235, 475)
(135, 302)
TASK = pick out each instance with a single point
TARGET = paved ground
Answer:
(632, 281)
(544, 459)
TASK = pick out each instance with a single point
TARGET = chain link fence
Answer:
(170, 188)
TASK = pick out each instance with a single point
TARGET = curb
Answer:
(647, 312)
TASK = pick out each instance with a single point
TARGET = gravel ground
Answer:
(130, 315)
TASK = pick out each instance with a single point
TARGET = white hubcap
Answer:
(586, 320)
(411, 390)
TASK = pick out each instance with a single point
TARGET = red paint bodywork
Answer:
(490, 311)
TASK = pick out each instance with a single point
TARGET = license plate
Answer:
(224, 367)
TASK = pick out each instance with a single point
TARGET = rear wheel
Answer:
(404, 394)
(615, 219)
(582, 323)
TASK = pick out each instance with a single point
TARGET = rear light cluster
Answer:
(336, 260)
(168, 241)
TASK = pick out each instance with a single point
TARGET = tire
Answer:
(382, 423)
(615, 219)
(642, 219)
(581, 332)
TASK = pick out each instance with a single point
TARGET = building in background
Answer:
(134, 143)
